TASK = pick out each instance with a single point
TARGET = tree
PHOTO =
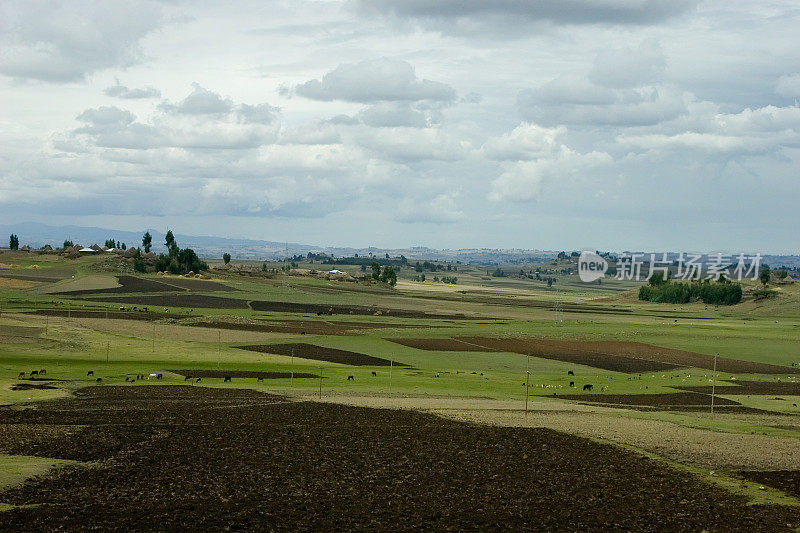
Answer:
(13, 242)
(376, 270)
(169, 239)
(764, 276)
(147, 241)
(124, 247)
(67, 244)
(110, 243)
(226, 258)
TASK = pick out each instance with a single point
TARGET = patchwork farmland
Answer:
(292, 402)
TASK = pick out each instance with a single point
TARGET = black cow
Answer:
(570, 373)
(226, 379)
(34, 373)
(350, 378)
(42, 372)
(159, 376)
(571, 383)
(197, 380)
(187, 378)
(90, 373)
(21, 375)
(374, 373)
(587, 387)
(99, 380)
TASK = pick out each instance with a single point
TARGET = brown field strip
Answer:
(670, 399)
(321, 353)
(622, 356)
(176, 300)
(311, 327)
(758, 388)
(787, 481)
(442, 345)
(333, 309)
(172, 458)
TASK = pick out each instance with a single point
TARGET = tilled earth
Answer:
(188, 458)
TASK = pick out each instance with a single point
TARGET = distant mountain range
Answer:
(36, 235)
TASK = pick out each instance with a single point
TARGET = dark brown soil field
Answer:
(321, 353)
(623, 356)
(311, 327)
(136, 284)
(33, 386)
(761, 388)
(787, 481)
(442, 345)
(192, 459)
(177, 300)
(675, 399)
(251, 374)
(294, 307)
(128, 315)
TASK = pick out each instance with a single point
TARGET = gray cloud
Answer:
(375, 80)
(473, 16)
(53, 42)
(121, 91)
(200, 102)
(393, 114)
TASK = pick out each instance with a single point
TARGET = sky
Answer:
(577, 124)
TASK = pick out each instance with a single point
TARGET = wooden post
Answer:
(391, 366)
(320, 383)
(527, 389)
(291, 378)
(108, 346)
(46, 323)
(713, 385)
(219, 346)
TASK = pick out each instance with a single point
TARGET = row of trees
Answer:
(13, 242)
(722, 292)
(385, 274)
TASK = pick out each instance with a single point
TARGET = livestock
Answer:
(374, 373)
(587, 387)
(571, 383)
(98, 380)
(350, 378)
(34, 373)
(570, 373)
(90, 373)
(21, 375)
(187, 378)
(42, 371)
(226, 379)
(198, 380)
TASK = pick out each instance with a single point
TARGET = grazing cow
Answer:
(197, 380)
(437, 374)
(260, 378)
(34, 373)
(159, 376)
(570, 373)
(350, 378)
(587, 387)
(302, 333)
(98, 380)
(374, 373)
(226, 379)
(571, 383)
(319, 313)
(21, 375)
(42, 372)
(187, 378)
(90, 373)
(127, 379)
(794, 405)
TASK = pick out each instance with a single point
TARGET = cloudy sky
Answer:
(600, 124)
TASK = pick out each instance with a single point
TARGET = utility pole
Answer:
(320, 383)
(291, 380)
(391, 365)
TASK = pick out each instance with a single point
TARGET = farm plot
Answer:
(787, 481)
(622, 356)
(177, 300)
(666, 400)
(127, 284)
(311, 327)
(221, 374)
(321, 353)
(760, 388)
(442, 345)
(332, 309)
(188, 458)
